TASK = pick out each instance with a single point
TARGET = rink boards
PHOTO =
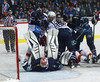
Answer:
(23, 28)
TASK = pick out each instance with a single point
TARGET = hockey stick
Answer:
(95, 59)
(80, 34)
(93, 32)
(84, 29)
(94, 26)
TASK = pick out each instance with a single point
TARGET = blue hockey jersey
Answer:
(53, 65)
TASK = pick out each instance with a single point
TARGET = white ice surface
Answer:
(82, 74)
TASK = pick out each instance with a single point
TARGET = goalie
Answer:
(42, 65)
(39, 61)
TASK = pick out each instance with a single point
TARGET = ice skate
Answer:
(94, 58)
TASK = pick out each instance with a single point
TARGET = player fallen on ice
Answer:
(39, 60)
(42, 64)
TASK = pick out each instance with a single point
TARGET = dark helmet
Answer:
(76, 20)
(58, 15)
(9, 10)
(85, 20)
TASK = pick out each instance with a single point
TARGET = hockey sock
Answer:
(80, 57)
(85, 53)
(27, 56)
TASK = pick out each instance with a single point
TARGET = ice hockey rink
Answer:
(85, 73)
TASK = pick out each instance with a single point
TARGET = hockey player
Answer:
(42, 65)
(66, 39)
(81, 26)
(64, 36)
(59, 24)
(41, 62)
(35, 21)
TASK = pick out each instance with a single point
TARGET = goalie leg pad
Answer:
(34, 45)
(52, 43)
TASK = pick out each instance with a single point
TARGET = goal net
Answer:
(9, 62)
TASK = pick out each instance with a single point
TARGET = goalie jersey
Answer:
(52, 65)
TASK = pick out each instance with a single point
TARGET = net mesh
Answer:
(8, 63)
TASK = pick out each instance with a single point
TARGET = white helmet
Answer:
(51, 14)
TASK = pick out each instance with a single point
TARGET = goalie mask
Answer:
(44, 62)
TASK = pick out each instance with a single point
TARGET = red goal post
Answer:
(16, 43)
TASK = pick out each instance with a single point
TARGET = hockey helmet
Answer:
(10, 12)
(51, 14)
(85, 20)
(58, 15)
(44, 62)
